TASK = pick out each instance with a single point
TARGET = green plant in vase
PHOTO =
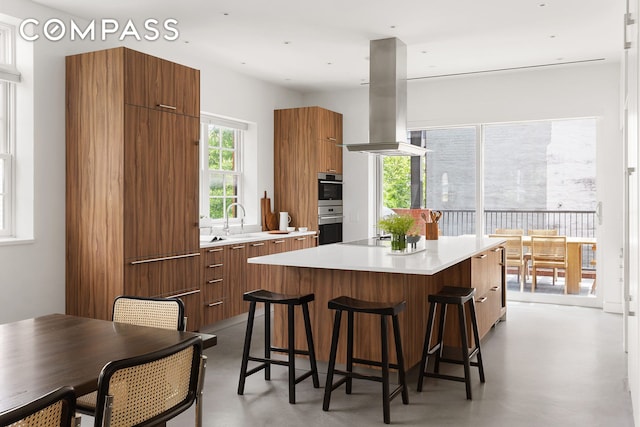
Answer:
(398, 226)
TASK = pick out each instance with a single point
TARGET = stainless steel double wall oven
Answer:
(330, 214)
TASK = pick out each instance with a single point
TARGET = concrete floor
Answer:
(547, 365)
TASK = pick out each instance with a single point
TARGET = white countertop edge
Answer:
(254, 237)
(439, 255)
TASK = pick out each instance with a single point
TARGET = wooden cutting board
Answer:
(269, 219)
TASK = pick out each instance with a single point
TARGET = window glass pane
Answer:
(548, 181)
(396, 183)
(214, 159)
(216, 208)
(214, 136)
(231, 185)
(4, 87)
(228, 160)
(216, 185)
(451, 178)
(228, 138)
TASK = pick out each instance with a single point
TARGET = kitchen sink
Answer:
(243, 236)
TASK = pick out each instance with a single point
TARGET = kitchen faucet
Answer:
(226, 228)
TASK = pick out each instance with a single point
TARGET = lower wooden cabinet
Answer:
(226, 275)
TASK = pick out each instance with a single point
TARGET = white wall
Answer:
(32, 275)
(575, 91)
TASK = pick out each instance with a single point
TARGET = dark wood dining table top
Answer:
(41, 354)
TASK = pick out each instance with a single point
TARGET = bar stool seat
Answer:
(268, 298)
(458, 296)
(382, 309)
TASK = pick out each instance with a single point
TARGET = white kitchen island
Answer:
(368, 270)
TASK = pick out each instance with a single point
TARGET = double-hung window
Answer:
(221, 175)
(9, 77)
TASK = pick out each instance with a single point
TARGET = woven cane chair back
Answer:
(510, 231)
(150, 388)
(154, 312)
(55, 409)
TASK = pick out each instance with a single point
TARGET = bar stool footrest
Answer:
(445, 377)
(356, 375)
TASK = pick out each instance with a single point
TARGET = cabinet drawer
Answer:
(488, 308)
(486, 270)
(213, 255)
(162, 276)
(213, 291)
(212, 312)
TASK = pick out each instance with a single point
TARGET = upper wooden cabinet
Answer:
(162, 85)
(305, 143)
(131, 181)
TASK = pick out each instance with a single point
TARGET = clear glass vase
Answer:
(398, 242)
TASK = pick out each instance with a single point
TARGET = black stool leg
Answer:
(399, 356)
(328, 388)
(247, 347)
(425, 348)
(267, 339)
(386, 409)
(465, 349)
(291, 352)
(443, 318)
(349, 350)
(476, 336)
(312, 351)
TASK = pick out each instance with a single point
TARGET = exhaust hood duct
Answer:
(388, 101)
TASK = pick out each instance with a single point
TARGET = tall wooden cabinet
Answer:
(306, 141)
(132, 127)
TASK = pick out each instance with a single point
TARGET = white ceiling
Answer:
(324, 44)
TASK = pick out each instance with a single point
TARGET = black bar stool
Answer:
(291, 301)
(457, 296)
(351, 305)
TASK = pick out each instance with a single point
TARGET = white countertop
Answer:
(205, 241)
(437, 256)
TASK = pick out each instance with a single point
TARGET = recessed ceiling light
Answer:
(329, 63)
(287, 79)
(559, 59)
(392, 26)
(186, 42)
(287, 42)
(542, 4)
(243, 63)
(424, 51)
(226, 14)
(552, 36)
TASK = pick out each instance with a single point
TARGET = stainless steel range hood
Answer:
(388, 101)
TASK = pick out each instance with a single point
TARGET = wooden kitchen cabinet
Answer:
(131, 183)
(212, 284)
(235, 260)
(300, 242)
(305, 143)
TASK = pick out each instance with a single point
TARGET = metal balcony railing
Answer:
(568, 223)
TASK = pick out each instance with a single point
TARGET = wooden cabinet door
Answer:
(135, 78)
(161, 183)
(299, 242)
(330, 137)
(255, 272)
(235, 261)
(173, 87)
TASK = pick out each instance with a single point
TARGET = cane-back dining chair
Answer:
(165, 313)
(54, 409)
(510, 231)
(152, 388)
(548, 252)
(514, 255)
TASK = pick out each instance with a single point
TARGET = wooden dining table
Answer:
(573, 274)
(41, 354)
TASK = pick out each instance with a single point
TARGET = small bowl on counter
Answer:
(302, 229)
(290, 229)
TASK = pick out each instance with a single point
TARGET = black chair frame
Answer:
(64, 394)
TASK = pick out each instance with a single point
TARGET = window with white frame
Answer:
(9, 77)
(221, 176)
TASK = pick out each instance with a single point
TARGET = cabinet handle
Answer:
(214, 281)
(170, 107)
(483, 256)
(495, 288)
(481, 300)
(332, 170)
(214, 250)
(257, 244)
(184, 294)
(213, 304)
(301, 238)
(498, 249)
(315, 237)
(237, 247)
(278, 241)
(330, 138)
(144, 261)
(215, 265)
